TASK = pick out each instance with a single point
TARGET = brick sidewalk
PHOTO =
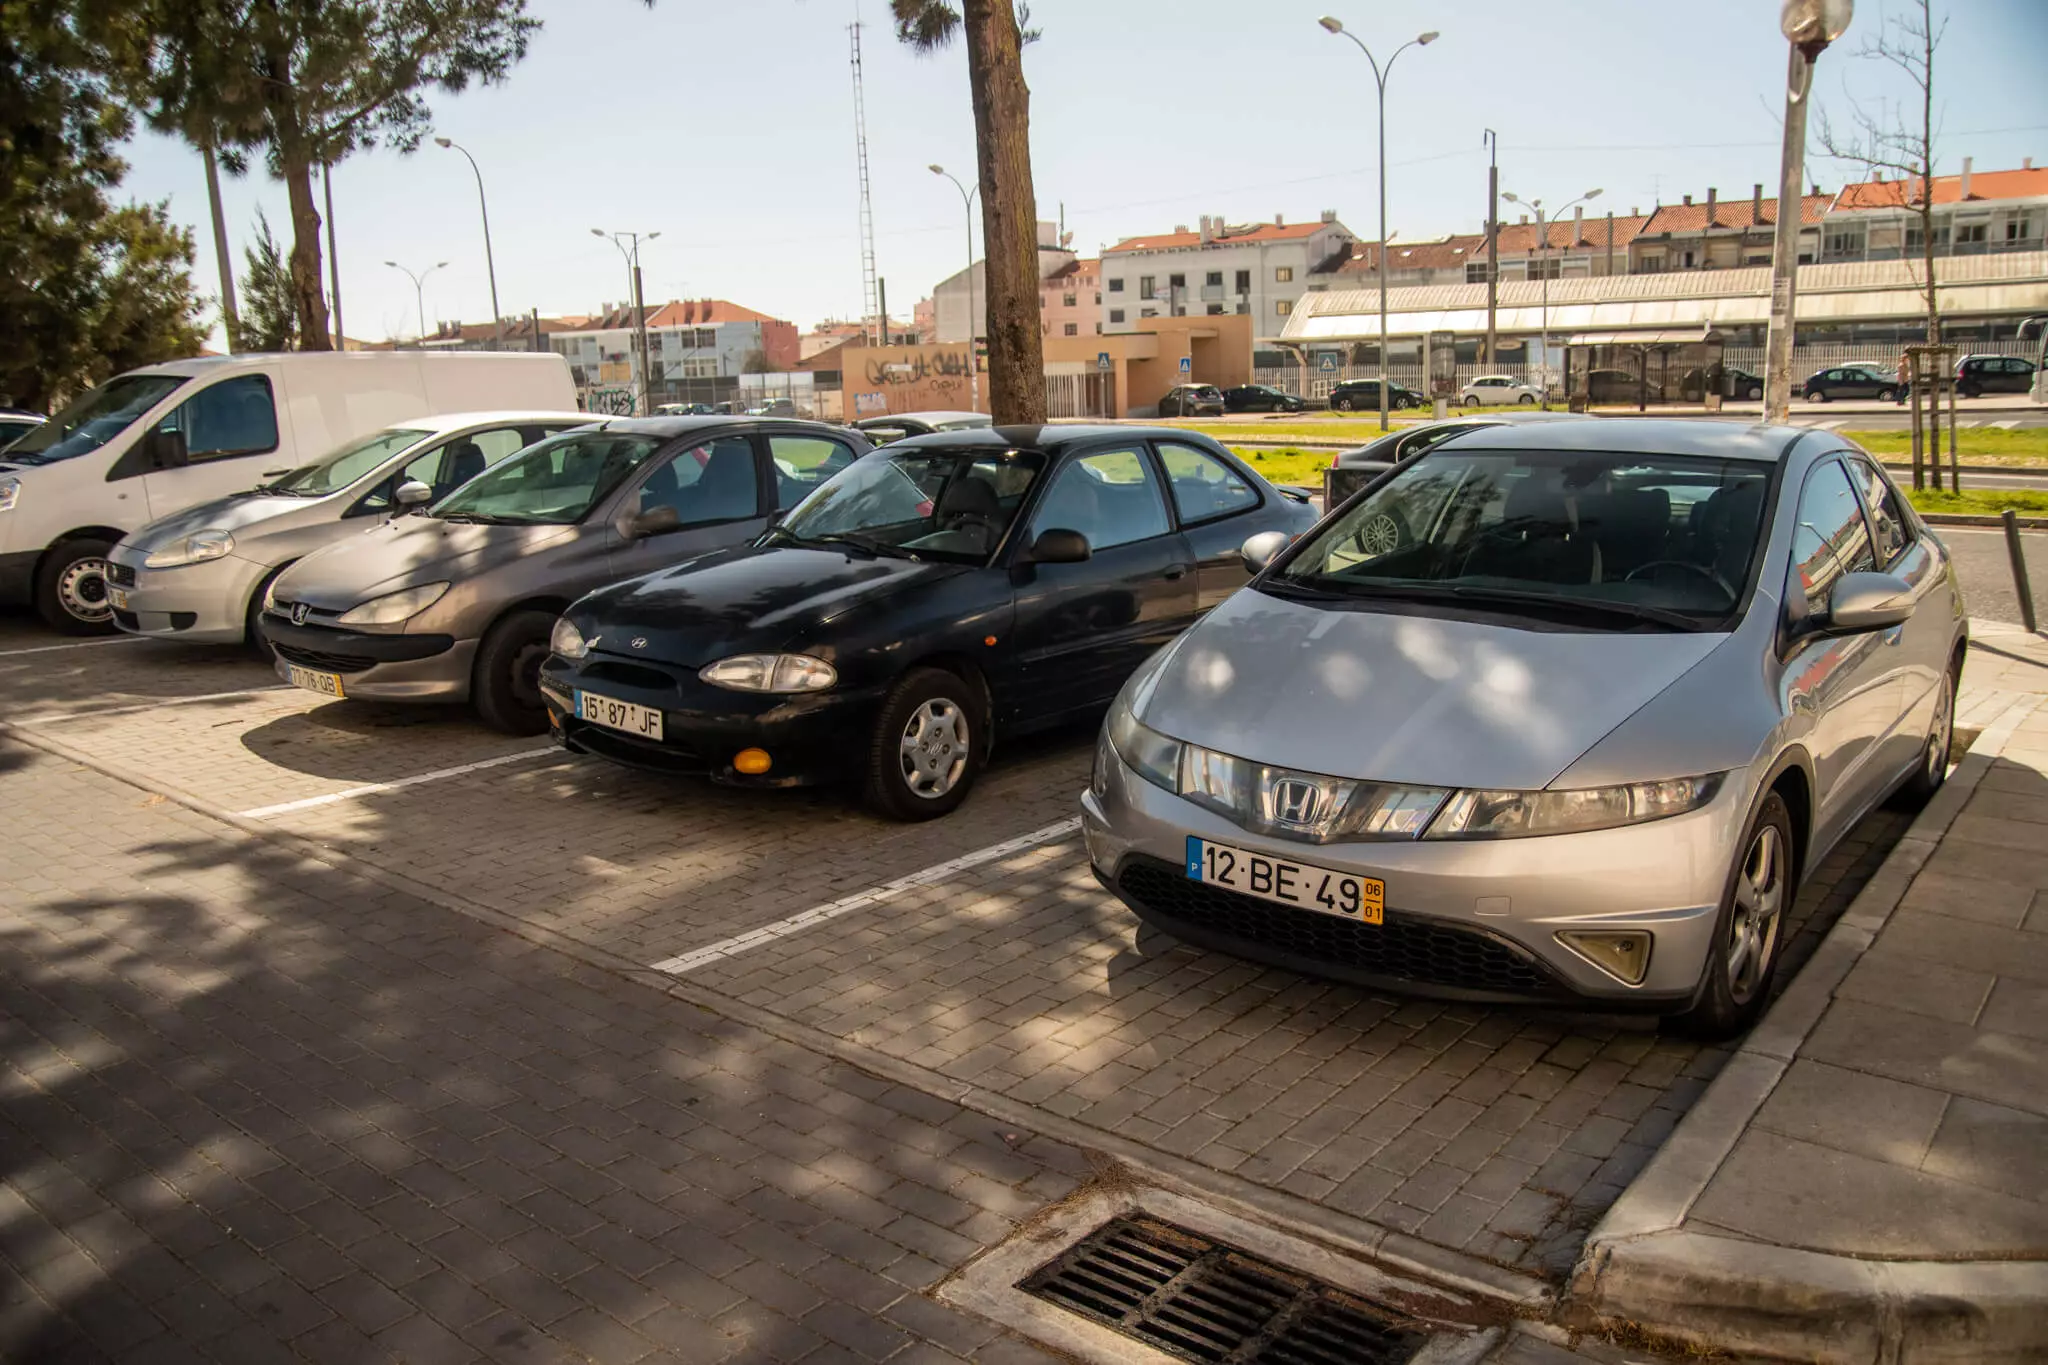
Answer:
(253, 1109)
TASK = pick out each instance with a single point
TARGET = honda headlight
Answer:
(196, 548)
(394, 608)
(10, 493)
(1149, 754)
(1509, 815)
(770, 673)
(568, 641)
(1306, 806)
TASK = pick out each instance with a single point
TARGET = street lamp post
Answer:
(639, 304)
(967, 203)
(1543, 271)
(490, 265)
(1379, 75)
(1809, 26)
(419, 295)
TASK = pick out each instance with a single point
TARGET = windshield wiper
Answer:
(474, 518)
(859, 542)
(1454, 592)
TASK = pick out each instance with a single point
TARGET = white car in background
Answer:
(1492, 390)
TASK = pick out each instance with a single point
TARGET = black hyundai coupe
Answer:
(927, 597)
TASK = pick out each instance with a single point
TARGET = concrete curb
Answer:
(1641, 1266)
(1973, 519)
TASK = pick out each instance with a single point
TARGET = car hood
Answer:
(1402, 697)
(409, 551)
(233, 513)
(745, 600)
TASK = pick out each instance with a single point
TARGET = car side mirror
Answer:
(633, 525)
(412, 493)
(1060, 546)
(167, 449)
(1869, 601)
(1258, 551)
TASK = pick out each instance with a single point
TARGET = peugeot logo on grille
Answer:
(1296, 802)
(300, 611)
(638, 642)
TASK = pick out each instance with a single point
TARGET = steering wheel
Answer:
(1639, 570)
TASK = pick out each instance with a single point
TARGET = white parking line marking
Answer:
(371, 789)
(754, 938)
(48, 716)
(75, 644)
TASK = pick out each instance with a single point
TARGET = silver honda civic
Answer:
(1552, 712)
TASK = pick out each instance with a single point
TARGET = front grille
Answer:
(1198, 1301)
(627, 674)
(322, 660)
(1405, 948)
(120, 575)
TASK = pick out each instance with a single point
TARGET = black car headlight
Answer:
(770, 673)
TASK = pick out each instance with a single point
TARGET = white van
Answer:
(162, 438)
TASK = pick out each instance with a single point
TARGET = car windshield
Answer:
(922, 503)
(93, 418)
(343, 466)
(1605, 539)
(556, 481)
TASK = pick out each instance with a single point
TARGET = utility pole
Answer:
(490, 263)
(231, 320)
(639, 306)
(1809, 26)
(333, 257)
(1492, 140)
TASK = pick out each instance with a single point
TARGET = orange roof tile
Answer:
(1230, 236)
(1730, 213)
(2026, 183)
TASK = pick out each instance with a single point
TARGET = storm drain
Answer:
(1201, 1301)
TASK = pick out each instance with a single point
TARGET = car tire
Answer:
(1761, 885)
(1816, 395)
(1968, 391)
(1341, 404)
(1926, 780)
(1886, 394)
(1754, 393)
(505, 683)
(71, 589)
(252, 617)
(1527, 400)
(928, 746)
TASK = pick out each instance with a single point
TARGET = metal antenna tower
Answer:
(871, 306)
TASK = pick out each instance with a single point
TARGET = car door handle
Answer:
(1177, 571)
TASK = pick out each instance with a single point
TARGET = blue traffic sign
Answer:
(1328, 363)
(1186, 364)
(1102, 360)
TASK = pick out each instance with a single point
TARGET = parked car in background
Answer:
(1191, 400)
(16, 423)
(1559, 713)
(776, 407)
(1614, 386)
(1357, 395)
(456, 604)
(942, 591)
(166, 437)
(200, 575)
(1849, 381)
(1488, 390)
(1355, 468)
(897, 425)
(1977, 375)
(1742, 384)
(683, 410)
(1260, 398)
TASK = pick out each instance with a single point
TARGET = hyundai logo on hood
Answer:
(638, 642)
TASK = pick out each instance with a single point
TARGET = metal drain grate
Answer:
(1194, 1299)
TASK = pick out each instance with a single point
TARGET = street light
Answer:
(1543, 270)
(639, 304)
(490, 266)
(967, 203)
(419, 296)
(1809, 26)
(1379, 75)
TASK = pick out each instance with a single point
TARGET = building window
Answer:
(2018, 230)
(1843, 242)
(1115, 315)
(1215, 278)
(1069, 300)
(1283, 274)
(1072, 330)
(700, 367)
(1177, 281)
(1549, 267)
(1244, 281)
(1970, 232)
(1148, 312)
(1244, 308)
(1098, 296)
(1145, 282)
(1116, 284)
(1215, 310)
(1098, 329)
(1317, 288)
(1180, 310)
(1283, 307)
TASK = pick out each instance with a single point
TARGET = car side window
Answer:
(1830, 537)
(1110, 497)
(1203, 486)
(1892, 534)
(804, 462)
(708, 482)
(234, 417)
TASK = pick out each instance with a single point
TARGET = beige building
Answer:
(1070, 300)
(1145, 363)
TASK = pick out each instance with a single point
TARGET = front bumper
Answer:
(1465, 920)
(816, 738)
(204, 603)
(375, 667)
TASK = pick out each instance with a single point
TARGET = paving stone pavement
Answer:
(255, 1109)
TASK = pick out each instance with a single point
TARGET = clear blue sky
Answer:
(728, 128)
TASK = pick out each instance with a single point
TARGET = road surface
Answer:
(1986, 573)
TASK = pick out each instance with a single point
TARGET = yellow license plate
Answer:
(1304, 886)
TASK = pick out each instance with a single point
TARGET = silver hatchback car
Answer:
(1555, 712)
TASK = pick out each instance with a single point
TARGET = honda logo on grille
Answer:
(300, 611)
(1297, 802)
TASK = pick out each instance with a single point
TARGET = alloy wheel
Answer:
(1759, 910)
(82, 591)
(934, 748)
(1379, 536)
(1941, 736)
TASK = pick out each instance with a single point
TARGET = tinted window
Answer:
(92, 419)
(1111, 498)
(557, 481)
(804, 462)
(1203, 486)
(1883, 504)
(1829, 538)
(713, 481)
(234, 417)
(918, 502)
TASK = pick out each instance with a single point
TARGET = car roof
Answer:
(936, 415)
(685, 425)
(438, 422)
(1051, 438)
(1662, 435)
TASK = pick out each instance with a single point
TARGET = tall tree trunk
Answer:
(1927, 173)
(308, 297)
(1009, 211)
(231, 320)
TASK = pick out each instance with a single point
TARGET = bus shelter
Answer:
(1667, 369)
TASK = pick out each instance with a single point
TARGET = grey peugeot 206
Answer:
(1553, 713)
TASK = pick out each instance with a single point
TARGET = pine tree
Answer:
(270, 319)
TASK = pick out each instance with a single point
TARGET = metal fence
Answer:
(1080, 395)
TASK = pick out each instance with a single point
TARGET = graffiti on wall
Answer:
(612, 402)
(914, 378)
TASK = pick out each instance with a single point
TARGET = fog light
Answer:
(752, 762)
(1624, 956)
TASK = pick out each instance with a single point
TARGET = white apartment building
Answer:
(1261, 269)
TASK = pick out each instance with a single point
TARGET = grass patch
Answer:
(1974, 445)
(1292, 465)
(1988, 502)
(1348, 427)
